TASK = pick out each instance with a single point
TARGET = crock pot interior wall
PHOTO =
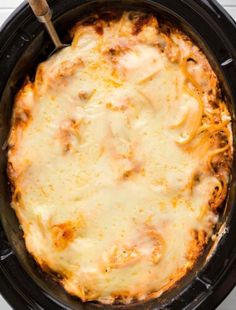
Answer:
(28, 45)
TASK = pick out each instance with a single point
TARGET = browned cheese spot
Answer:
(196, 245)
(63, 234)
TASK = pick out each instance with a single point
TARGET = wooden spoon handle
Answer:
(39, 7)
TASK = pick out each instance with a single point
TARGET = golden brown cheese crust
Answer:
(119, 157)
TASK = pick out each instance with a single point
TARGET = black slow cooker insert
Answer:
(23, 44)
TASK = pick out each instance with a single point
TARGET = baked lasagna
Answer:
(119, 158)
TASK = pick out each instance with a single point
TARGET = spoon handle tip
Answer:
(40, 8)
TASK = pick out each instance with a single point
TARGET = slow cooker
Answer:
(23, 44)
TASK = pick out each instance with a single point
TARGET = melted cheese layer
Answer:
(110, 169)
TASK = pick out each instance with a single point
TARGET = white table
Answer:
(6, 7)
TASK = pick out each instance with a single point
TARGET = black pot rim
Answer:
(16, 296)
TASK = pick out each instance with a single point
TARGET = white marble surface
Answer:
(6, 7)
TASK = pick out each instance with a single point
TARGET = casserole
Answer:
(221, 56)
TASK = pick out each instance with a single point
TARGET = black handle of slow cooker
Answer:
(8, 287)
(5, 248)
